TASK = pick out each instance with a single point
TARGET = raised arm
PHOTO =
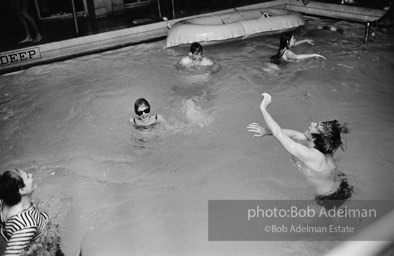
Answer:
(300, 151)
(295, 135)
(309, 41)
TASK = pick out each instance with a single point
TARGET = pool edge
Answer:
(23, 58)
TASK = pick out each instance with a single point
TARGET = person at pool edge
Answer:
(29, 25)
(287, 40)
(313, 151)
(195, 57)
(21, 221)
(144, 120)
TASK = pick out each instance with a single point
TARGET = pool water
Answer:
(117, 191)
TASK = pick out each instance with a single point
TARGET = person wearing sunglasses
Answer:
(144, 119)
(21, 221)
(312, 152)
(195, 57)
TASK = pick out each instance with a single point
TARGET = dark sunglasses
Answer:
(146, 111)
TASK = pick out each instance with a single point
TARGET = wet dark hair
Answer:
(196, 48)
(284, 43)
(329, 140)
(10, 183)
(140, 102)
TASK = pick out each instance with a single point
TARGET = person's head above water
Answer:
(142, 109)
(326, 135)
(196, 51)
(13, 185)
(141, 106)
(196, 48)
(286, 41)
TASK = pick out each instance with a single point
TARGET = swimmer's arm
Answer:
(206, 62)
(298, 150)
(309, 41)
(262, 131)
(258, 129)
(185, 61)
(295, 135)
(291, 55)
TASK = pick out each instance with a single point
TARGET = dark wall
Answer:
(10, 28)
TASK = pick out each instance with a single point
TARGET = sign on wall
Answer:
(18, 56)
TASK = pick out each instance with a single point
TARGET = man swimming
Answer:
(313, 151)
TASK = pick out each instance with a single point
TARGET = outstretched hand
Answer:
(266, 101)
(309, 41)
(255, 127)
(320, 56)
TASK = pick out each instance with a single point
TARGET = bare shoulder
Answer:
(206, 61)
(136, 121)
(318, 162)
(185, 61)
(289, 55)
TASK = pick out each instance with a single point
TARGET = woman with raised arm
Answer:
(287, 40)
(312, 152)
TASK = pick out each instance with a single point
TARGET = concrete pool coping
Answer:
(20, 59)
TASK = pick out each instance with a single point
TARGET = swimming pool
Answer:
(118, 192)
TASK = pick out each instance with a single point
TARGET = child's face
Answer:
(28, 181)
(197, 55)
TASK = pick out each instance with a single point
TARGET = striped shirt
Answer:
(21, 229)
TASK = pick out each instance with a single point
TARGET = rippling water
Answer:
(119, 192)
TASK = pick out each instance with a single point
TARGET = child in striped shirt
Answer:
(21, 222)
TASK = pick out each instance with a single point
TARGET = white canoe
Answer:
(238, 24)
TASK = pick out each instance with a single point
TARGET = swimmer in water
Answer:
(195, 57)
(314, 149)
(144, 120)
(21, 222)
(287, 41)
